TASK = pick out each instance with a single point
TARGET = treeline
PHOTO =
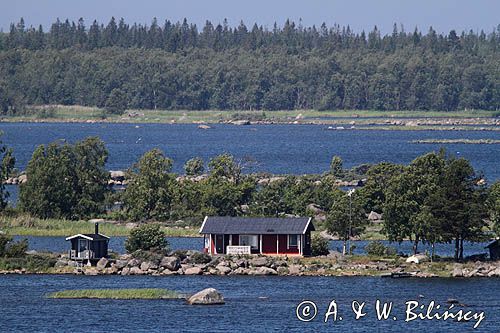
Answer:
(434, 199)
(176, 66)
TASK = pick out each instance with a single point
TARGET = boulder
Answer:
(494, 273)
(117, 175)
(262, 271)
(241, 122)
(171, 263)
(22, 179)
(209, 296)
(417, 258)
(374, 216)
(258, 262)
(204, 127)
(135, 271)
(193, 271)
(102, 264)
(120, 264)
(146, 265)
(294, 269)
(90, 271)
(223, 269)
(315, 209)
(134, 263)
(282, 271)
(240, 271)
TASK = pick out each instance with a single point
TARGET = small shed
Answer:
(494, 248)
(257, 235)
(88, 248)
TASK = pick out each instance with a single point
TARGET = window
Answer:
(250, 240)
(293, 240)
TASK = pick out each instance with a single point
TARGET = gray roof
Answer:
(255, 225)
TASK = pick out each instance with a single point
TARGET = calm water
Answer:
(288, 149)
(253, 304)
(117, 244)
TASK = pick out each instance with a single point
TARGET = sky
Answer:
(442, 15)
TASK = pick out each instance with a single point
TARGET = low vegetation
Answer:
(117, 294)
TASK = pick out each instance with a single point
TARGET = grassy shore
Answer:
(117, 294)
(28, 226)
(59, 113)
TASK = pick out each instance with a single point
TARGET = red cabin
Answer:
(257, 235)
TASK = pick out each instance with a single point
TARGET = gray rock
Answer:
(209, 296)
(495, 272)
(240, 271)
(258, 262)
(262, 271)
(102, 264)
(134, 263)
(135, 271)
(125, 271)
(120, 264)
(223, 269)
(193, 271)
(171, 263)
(90, 271)
(146, 265)
(457, 272)
(294, 269)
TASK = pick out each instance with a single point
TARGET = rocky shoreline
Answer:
(335, 264)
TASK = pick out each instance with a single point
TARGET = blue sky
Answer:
(443, 15)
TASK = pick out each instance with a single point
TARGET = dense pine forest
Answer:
(179, 66)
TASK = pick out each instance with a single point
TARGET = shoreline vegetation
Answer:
(127, 294)
(342, 119)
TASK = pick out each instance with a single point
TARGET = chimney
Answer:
(96, 228)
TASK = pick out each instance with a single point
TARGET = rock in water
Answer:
(102, 264)
(207, 296)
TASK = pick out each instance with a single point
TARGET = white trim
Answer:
(307, 225)
(277, 243)
(260, 239)
(79, 235)
(203, 224)
(299, 241)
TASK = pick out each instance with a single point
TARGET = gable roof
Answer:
(255, 225)
(91, 237)
(495, 243)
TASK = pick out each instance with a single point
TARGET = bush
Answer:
(11, 249)
(199, 258)
(16, 249)
(319, 246)
(147, 237)
(377, 248)
(154, 257)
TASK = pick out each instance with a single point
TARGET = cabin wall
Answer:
(235, 239)
(283, 246)
(269, 244)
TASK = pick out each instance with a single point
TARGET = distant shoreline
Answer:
(333, 120)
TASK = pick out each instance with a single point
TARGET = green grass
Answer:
(117, 294)
(24, 225)
(82, 113)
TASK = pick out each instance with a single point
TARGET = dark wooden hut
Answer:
(494, 248)
(88, 248)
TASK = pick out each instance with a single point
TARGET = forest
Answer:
(178, 66)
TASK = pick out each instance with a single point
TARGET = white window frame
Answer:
(249, 240)
(296, 241)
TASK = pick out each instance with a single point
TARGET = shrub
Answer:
(11, 249)
(319, 246)
(194, 167)
(147, 237)
(16, 249)
(154, 257)
(377, 248)
(199, 258)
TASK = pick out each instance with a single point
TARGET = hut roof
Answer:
(93, 237)
(255, 225)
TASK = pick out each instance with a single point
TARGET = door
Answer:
(219, 244)
(83, 247)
